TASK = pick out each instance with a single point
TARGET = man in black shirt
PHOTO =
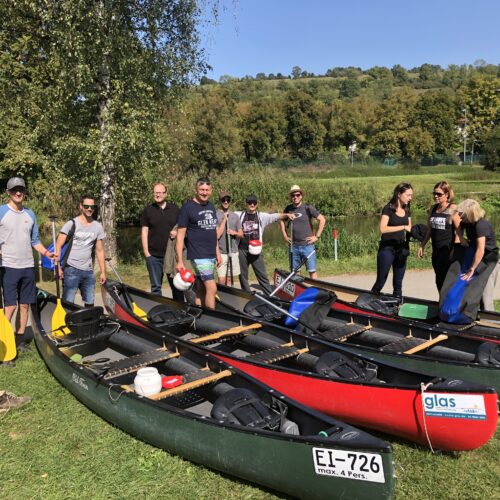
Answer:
(158, 221)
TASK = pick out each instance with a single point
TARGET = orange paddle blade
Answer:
(8, 350)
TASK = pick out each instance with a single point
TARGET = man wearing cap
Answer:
(158, 230)
(302, 237)
(229, 230)
(254, 223)
(197, 224)
(18, 235)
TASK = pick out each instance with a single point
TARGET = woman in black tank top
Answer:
(395, 223)
(442, 229)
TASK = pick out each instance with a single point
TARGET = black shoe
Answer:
(22, 344)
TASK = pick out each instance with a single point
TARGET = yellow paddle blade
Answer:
(7, 340)
(59, 327)
(139, 312)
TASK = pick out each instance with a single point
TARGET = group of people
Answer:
(451, 228)
(221, 244)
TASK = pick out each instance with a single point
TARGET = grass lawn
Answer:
(56, 448)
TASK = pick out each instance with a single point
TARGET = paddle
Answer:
(135, 308)
(59, 316)
(8, 350)
(291, 246)
(292, 274)
(229, 256)
(336, 346)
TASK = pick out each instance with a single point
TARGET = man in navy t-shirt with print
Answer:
(197, 224)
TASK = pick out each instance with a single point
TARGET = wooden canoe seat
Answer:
(134, 363)
(237, 330)
(191, 385)
(277, 353)
(343, 332)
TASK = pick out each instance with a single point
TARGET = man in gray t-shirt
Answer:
(77, 270)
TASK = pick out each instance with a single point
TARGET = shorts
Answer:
(18, 286)
(76, 279)
(299, 253)
(223, 271)
(204, 268)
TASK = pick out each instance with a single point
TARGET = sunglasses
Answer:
(225, 200)
(295, 195)
(18, 190)
(251, 203)
(88, 207)
(437, 193)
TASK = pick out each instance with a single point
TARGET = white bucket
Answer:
(183, 280)
(147, 381)
(254, 247)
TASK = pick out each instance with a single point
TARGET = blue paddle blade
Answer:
(300, 304)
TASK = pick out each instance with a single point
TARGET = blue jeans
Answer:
(299, 253)
(155, 271)
(388, 257)
(75, 279)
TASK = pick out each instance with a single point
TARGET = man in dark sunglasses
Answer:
(83, 237)
(254, 223)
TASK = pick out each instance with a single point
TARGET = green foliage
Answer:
(305, 132)
(216, 140)
(492, 149)
(264, 131)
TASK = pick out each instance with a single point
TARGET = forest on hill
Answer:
(109, 98)
(421, 115)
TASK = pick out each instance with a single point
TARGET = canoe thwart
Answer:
(237, 330)
(191, 385)
(427, 344)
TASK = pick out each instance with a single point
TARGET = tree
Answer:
(435, 113)
(216, 139)
(94, 78)
(481, 98)
(264, 131)
(296, 72)
(305, 132)
(349, 88)
(491, 149)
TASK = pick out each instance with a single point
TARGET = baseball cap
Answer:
(251, 197)
(224, 194)
(15, 182)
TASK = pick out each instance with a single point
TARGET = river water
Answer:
(129, 240)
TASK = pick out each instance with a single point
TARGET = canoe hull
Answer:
(217, 447)
(391, 409)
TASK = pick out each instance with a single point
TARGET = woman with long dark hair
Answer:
(395, 223)
(442, 225)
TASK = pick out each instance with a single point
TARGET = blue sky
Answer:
(272, 36)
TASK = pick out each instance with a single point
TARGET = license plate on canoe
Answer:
(349, 464)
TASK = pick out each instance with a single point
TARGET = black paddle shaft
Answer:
(56, 263)
(229, 256)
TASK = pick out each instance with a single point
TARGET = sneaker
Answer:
(9, 401)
